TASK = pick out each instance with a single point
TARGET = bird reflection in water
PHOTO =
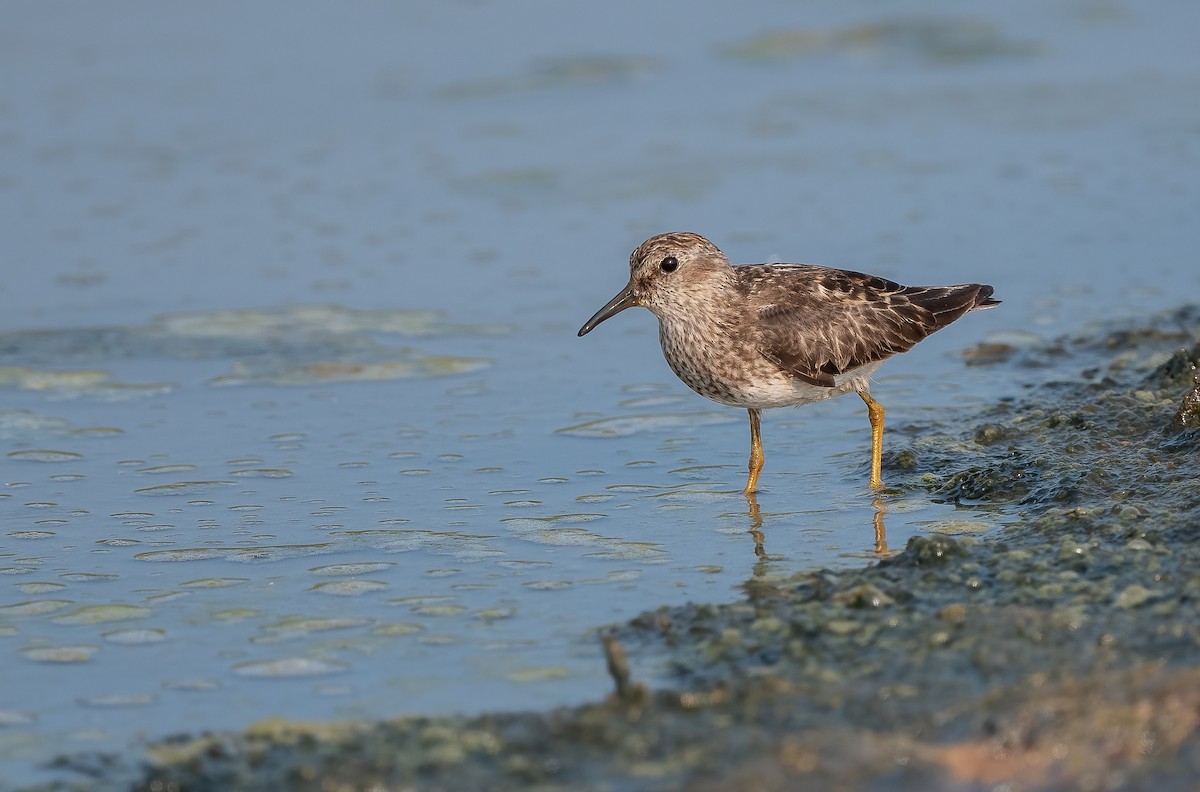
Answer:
(754, 512)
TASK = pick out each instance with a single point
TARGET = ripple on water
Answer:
(135, 637)
(44, 455)
(361, 568)
(288, 437)
(191, 684)
(462, 546)
(548, 585)
(118, 542)
(35, 607)
(349, 588)
(616, 576)
(88, 577)
(239, 554)
(625, 425)
(96, 431)
(288, 668)
(157, 469)
(118, 700)
(214, 582)
(261, 473)
(183, 488)
(563, 530)
(40, 587)
(299, 627)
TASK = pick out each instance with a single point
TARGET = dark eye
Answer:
(669, 264)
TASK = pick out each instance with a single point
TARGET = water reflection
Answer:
(754, 513)
(881, 545)
(756, 523)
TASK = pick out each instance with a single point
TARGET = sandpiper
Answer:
(779, 335)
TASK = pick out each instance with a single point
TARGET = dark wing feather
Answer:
(817, 323)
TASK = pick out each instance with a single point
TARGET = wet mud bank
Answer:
(1061, 653)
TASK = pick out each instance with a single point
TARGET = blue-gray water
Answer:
(294, 417)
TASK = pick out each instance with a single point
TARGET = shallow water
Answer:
(295, 421)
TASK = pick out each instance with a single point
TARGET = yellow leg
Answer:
(756, 452)
(875, 412)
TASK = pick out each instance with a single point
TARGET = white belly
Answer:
(746, 378)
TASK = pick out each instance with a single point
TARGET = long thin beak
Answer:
(626, 299)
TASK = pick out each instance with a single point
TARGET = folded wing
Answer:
(818, 322)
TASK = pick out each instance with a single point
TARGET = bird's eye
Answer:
(669, 264)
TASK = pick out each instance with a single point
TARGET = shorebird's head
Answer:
(667, 273)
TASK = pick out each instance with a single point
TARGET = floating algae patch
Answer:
(103, 614)
(239, 554)
(319, 319)
(397, 629)
(39, 379)
(946, 40)
(73, 384)
(35, 607)
(217, 334)
(302, 626)
(409, 365)
(291, 345)
(69, 654)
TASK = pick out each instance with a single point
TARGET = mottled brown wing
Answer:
(817, 323)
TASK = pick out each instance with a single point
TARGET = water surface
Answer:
(295, 421)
